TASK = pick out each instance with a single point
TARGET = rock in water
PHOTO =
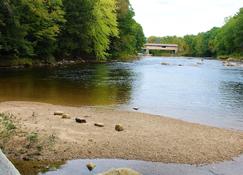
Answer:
(119, 128)
(121, 171)
(165, 64)
(101, 125)
(80, 120)
(136, 109)
(58, 113)
(91, 166)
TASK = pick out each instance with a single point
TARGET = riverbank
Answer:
(28, 62)
(52, 62)
(38, 134)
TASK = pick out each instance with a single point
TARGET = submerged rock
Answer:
(121, 171)
(119, 128)
(165, 64)
(90, 166)
(80, 120)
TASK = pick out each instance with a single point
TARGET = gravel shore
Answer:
(41, 135)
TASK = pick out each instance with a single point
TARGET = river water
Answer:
(185, 88)
(190, 89)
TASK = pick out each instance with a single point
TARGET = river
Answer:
(190, 89)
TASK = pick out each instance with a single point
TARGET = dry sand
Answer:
(146, 137)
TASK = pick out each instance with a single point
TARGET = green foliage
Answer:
(47, 29)
(29, 28)
(32, 137)
(131, 37)
(6, 122)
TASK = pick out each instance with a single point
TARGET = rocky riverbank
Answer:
(45, 132)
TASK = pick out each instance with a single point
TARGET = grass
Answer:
(22, 61)
(32, 137)
(6, 123)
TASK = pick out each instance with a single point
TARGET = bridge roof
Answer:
(155, 44)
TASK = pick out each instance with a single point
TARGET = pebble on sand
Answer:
(119, 128)
(101, 125)
(58, 113)
(66, 116)
(80, 120)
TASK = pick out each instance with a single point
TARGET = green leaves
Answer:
(26, 24)
(67, 28)
(131, 37)
(103, 27)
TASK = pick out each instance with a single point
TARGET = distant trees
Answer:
(46, 29)
(227, 40)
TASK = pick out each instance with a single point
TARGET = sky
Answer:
(182, 17)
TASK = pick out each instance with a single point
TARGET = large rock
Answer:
(6, 167)
(121, 171)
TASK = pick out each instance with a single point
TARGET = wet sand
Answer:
(146, 137)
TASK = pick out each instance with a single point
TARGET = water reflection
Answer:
(77, 167)
(100, 84)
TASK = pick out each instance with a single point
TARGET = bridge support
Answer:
(147, 52)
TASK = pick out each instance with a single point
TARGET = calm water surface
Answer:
(206, 93)
(78, 167)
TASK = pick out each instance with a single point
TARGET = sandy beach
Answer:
(41, 135)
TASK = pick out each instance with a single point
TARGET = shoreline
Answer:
(41, 136)
(29, 63)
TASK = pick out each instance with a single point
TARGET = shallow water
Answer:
(77, 167)
(206, 93)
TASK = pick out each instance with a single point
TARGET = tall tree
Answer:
(89, 26)
(131, 37)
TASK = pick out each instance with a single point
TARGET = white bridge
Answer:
(168, 47)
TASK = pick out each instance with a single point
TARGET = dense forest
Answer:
(49, 30)
(223, 42)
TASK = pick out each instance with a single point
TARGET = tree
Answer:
(29, 28)
(89, 26)
(131, 37)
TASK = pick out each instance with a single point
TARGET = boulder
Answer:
(6, 167)
(90, 166)
(58, 113)
(121, 171)
(101, 125)
(80, 120)
(119, 128)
